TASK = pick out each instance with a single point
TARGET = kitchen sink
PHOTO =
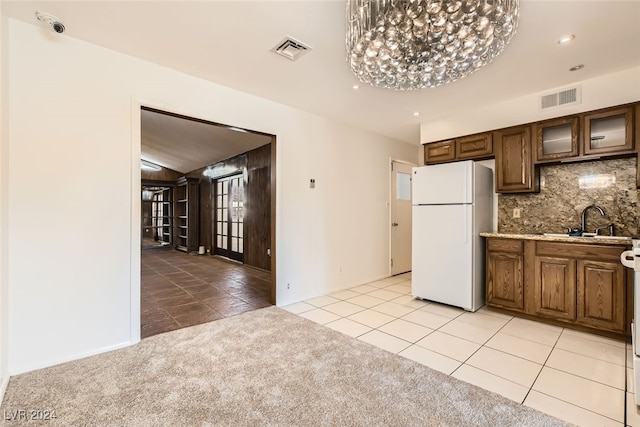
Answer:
(612, 237)
(555, 234)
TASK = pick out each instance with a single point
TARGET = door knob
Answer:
(395, 224)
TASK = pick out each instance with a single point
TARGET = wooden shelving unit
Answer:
(157, 221)
(186, 214)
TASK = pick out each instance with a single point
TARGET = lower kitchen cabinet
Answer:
(555, 287)
(505, 280)
(601, 294)
(574, 285)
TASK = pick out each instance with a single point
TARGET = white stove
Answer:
(631, 259)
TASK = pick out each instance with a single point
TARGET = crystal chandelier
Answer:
(416, 44)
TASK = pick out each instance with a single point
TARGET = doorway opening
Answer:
(400, 215)
(207, 221)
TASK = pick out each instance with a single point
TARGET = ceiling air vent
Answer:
(561, 98)
(291, 48)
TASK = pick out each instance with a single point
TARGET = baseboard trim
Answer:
(4, 382)
(72, 358)
(341, 288)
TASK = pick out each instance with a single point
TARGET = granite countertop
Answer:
(604, 240)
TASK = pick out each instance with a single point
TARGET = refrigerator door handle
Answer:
(466, 226)
(627, 259)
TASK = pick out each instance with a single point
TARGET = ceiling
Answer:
(229, 42)
(184, 145)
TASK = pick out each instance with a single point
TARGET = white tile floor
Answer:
(581, 378)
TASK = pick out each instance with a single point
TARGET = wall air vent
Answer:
(291, 48)
(569, 96)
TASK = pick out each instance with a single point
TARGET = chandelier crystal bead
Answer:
(417, 44)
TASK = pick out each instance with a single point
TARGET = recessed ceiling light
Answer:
(566, 39)
(416, 113)
(577, 67)
(355, 87)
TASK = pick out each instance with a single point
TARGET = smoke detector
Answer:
(291, 48)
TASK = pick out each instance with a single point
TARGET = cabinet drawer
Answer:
(585, 251)
(505, 245)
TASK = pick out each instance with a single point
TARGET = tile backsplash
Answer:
(566, 189)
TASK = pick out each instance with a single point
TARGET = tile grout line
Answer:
(581, 407)
(543, 366)
(481, 346)
(484, 344)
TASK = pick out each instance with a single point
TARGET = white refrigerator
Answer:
(452, 204)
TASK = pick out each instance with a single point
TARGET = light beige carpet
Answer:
(266, 367)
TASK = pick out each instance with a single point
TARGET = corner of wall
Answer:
(4, 166)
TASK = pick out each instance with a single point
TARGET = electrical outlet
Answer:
(288, 286)
(516, 212)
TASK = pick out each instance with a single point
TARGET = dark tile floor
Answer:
(180, 290)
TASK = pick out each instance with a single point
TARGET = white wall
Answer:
(604, 91)
(73, 192)
(4, 172)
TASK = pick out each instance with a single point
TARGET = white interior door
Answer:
(400, 218)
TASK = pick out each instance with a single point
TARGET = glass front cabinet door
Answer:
(556, 139)
(608, 131)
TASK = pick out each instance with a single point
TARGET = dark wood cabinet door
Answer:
(514, 164)
(505, 274)
(555, 287)
(556, 139)
(479, 146)
(439, 152)
(608, 131)
(601, 295)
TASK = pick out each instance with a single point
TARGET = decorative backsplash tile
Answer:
(566, 189)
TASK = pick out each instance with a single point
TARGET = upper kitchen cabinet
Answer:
(514, 170)
(478, 146)
(471, 147)
(608, 131)
(556, 139)
(439, 152)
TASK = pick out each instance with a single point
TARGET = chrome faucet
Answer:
(584, 215)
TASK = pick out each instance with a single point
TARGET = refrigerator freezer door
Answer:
(443, 254)
(443, 184)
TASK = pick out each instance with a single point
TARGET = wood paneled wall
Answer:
(256, 168)
(258, 208)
